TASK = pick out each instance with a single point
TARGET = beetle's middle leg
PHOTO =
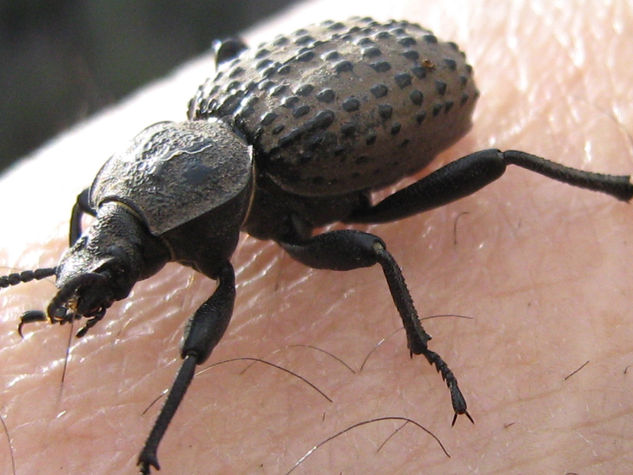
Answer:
(470, 173)
(348, 249)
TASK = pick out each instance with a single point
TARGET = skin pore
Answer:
(542, 268)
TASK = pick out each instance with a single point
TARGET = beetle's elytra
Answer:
(284, 138)
(337, 108)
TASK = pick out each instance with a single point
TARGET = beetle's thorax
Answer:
(175, 172)
(190, 184)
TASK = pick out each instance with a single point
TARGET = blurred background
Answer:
(61, 60)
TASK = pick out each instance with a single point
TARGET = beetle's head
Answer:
(101, 267)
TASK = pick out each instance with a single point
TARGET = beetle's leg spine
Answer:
(416, 335)
(350, 249)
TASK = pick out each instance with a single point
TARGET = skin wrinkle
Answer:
(510, 360)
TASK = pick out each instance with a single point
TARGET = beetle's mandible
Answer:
(285, 138)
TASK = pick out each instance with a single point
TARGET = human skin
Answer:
(542, 268)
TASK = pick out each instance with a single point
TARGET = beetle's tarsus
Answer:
(149, 460)
(457, 398)
(458, 401)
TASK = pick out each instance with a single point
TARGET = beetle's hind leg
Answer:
(81, 206)
(349, 249)
(470, 173)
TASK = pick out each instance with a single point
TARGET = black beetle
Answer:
(284, 139)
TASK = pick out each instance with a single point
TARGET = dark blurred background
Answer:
(61, 60)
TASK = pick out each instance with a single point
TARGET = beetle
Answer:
(285, 138)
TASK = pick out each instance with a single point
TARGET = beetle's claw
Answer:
(91, 322)
(469, 418)
(83, 330)
(146, 462)
(144, 468)
(459, 413)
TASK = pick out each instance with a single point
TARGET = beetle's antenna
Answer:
(31, 316)
(26, 276)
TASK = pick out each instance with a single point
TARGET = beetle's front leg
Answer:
(81, 206)
(204, 330)
(349, 249)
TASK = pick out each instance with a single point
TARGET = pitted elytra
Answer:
(285, 138)
(335, 108)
